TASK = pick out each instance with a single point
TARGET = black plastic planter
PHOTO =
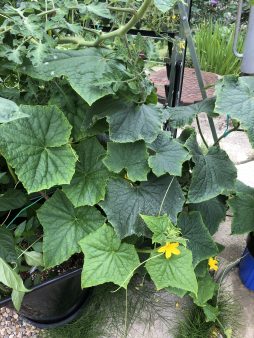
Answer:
(55, 302)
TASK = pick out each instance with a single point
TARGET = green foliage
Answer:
(175, 272)
(199, 241)
(107, 259)
(9, 111)
(58, 216)
(87, 164)
(228, 323)
(214, 43)
(235, 97)
(41, 155)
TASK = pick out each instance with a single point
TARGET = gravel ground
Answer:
(12, 326)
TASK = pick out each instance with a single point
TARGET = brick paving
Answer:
(191, 92)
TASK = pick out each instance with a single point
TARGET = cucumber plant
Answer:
(87, 166)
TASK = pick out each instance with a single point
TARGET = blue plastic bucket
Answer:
(246, 266)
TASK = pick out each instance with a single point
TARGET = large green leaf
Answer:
(64, 226)
(129, 122)
(181, 116)
(242, 206)
(213, 173)
(7, 246)
(9, 111)
(92, 72)
(12, 199)
(130, 156)
(40, 154)
(176, 272)
(235, 97)
(124, 203)
(107, 259)
(169, 155)
(199, 239)
(213, 212)
(10, 278)
(89, 182)
(165, 5)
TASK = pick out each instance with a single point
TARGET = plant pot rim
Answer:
(53, 280)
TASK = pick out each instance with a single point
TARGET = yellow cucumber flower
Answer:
(169, 249)
(213, 264)
(181, 45)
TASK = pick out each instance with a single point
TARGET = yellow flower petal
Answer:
(176, 251)
(169, 249)
(213, 264)
(168, 254)
(162, 249)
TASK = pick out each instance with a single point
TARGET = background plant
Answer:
(214, 45)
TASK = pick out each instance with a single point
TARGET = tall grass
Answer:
(214, 48)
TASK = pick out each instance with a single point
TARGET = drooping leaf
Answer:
(10, 278)
(242, 206)
(41, 155)
(213, 173)
(92, 72)
(64, 226)
(165, 5)
(213, 212)
(7, 246)
(199, 239)
(206, 290)
(181, 116)
(107, 259)
(129, 122)
(9, 111)
(124, 203)
(169, 155)
(17, 298)
(175, 272)
(12, 199)
(33, 258)
(130, 156)
(89, 182)
(235, 97)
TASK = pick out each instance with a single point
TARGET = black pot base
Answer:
(52, 325)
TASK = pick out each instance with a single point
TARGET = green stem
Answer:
(132, 272)
(164, 197)
(22, 253)
(124, 10)
(47, 12)
(227, 133)
(13, 175)
(110, 35)
(200, 132)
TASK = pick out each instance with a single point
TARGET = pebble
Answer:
(13, 326)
